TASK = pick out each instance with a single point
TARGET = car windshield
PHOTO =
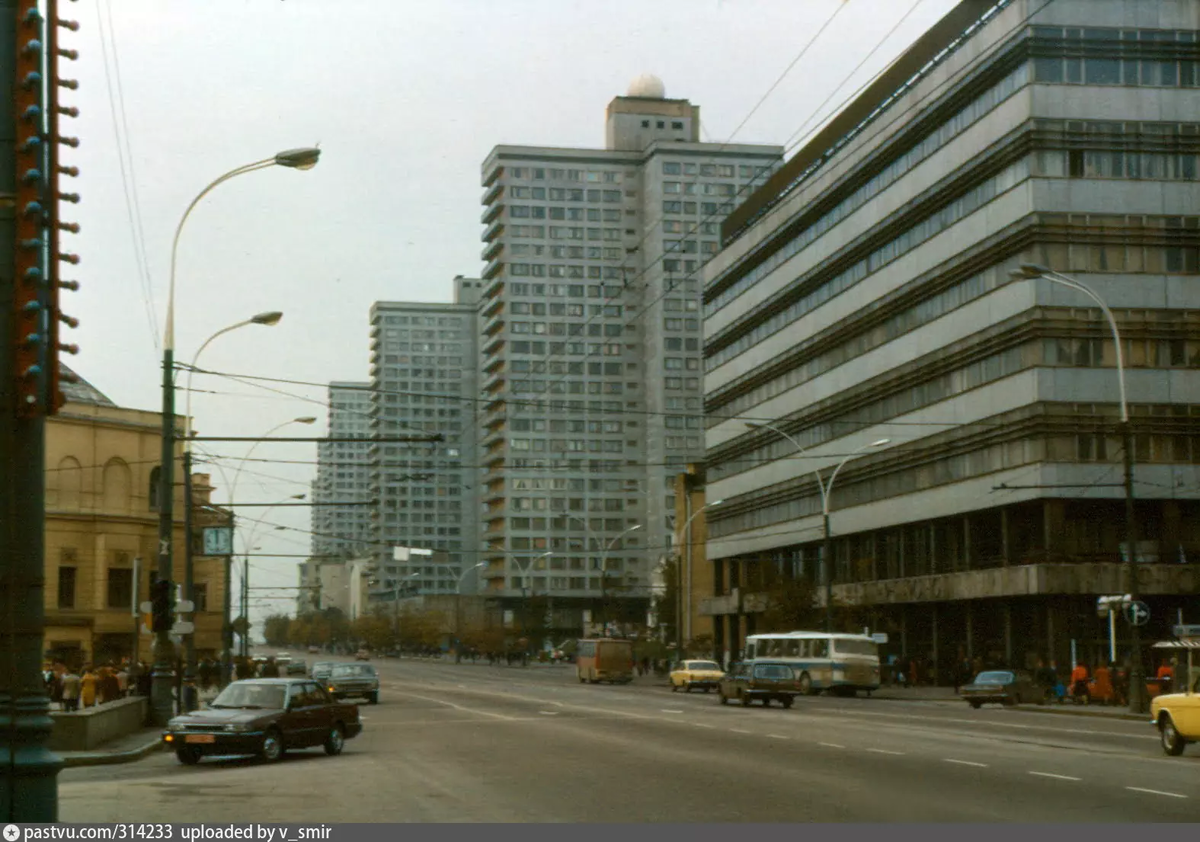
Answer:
(701, 666)
(246, 695)
(994, 678)
(352, 670)
(323, 665)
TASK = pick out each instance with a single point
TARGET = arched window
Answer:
(118, 486)
(64, 486)
(155, 479)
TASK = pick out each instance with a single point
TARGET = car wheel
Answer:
(271, 749)
(787, 702)
(674, 687)
(335, 741)
(579, 675)
(745, 699)
(766, 701)
(1172, 743)
(1009, 702)
(188, 756)
(373, 698)
(806, 684)
(976, 705)
(687, 688)
(707, 689)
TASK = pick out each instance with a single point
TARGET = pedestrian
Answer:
(87, 688)
(1079, 682)
(270, 669)
(1165, 676)
(70, 691)
(122, 682)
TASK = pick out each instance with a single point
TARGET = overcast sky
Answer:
(405, 99)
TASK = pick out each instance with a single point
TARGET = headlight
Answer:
(331, 689)
(239, 726)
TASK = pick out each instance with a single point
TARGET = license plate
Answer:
(199, 738)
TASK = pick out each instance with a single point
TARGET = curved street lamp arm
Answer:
(187, 411)
(169, 331)
(799, 449)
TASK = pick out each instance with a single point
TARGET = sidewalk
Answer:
(947, 694)
(125, 749)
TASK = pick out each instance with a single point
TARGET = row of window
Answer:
(708, 247)
(573, 232)
(678, 226)
(706, 208)
(693, 188)
(538, 270)
(558, 366)
(573, 425)
(536, 308)
(567, 445)
(755, 327)
(573, 504)
(118, 588)
(543, 174)
(1091, 163)
(559, 194)
(571, 214)
(568, 290)
(572, 484)
(431, 321)
(537, 386)
(746, 275)
(713, 170)
(1107, 70)
(570, 329)
(567, 252)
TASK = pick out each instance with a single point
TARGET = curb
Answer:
(102, 758)
(1128, 717)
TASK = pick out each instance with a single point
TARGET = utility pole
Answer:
(29, 381)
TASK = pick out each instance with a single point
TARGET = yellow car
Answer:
(1177, 717)
(689, 674)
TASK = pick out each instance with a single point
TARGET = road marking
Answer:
(702, 725)
(739, 731)
(664, 710)
(1156, 792)
(830, 745)
(778, 737)
(548, 712)
(964, 762)
(884, 751)
(1052, 775)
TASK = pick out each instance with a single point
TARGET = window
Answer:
(66, 587)
(200, 596)
(152, 492)
(120, 587)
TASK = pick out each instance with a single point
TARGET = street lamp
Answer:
(163, 650)
(604, 572)
(246, 564)
(826, 488)
(679, 577)
(1032, 271)
(396, 584)
(269, 319)
(458, 608)
(526, 581)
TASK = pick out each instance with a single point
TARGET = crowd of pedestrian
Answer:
(92, 685)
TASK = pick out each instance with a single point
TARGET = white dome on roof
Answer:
(647, 86)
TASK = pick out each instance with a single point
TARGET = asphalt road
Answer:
(476, 743)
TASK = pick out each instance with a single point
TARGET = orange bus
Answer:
(604, 659)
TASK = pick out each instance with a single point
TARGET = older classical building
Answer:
(865, 294)
(102, 530)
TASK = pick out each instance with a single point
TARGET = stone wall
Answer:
(89, 728)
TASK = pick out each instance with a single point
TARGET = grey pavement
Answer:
(479, 744)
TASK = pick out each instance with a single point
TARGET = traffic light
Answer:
(162, 603)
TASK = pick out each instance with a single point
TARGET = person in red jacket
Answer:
(1079, 681)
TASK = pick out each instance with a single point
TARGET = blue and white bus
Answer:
(842, 664)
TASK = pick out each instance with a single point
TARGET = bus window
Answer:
(791, 648)
(750, 650)
(776, 650)
(820, 649)
(804, 648)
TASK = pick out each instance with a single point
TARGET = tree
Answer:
(276, 629)
(666, 604)
(374, 630)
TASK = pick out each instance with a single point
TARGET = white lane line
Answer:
(884, 751)
(739, 731)
(548, 712)
(830, 745)
(1052, 775)
(1156, 792)
(964, 762)
(702, 725)
(665, 710)
(778, 737)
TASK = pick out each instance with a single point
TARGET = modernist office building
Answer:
(590, 319)
(343, 476)
(865, 294)
(424, 364)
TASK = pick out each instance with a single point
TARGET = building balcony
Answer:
(491, 192)
(491, 250)
(492, 307)
(494, 381)
(493, 345)
(494, 325)
(491, 212)
(489, 178)
(493, 269)
(493, 231)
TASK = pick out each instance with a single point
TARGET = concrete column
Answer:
(1008, 640)
(1004, 540)
(966, 542)
(933, 619)
(933, 549)
(1050, 655)
(1053, 517)
(970, 623)
(904, 631)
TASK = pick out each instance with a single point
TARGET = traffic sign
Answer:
(183, 606)
(1137, 613)
(218, 540)
(1186, 631)
(183, 627)
(880, 637)
(147, 607)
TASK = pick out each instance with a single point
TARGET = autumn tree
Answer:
(276, 630)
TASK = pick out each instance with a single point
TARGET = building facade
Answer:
(341, 516)
(590, 346)
(424, 382)
(102, 469)
(864, 294)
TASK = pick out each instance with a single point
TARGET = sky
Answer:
(405, 100)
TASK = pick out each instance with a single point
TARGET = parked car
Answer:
(314, 650)
(296, 666)
(763, 681)
(1177, 715)
(362, 655)
(689, 674)
(353, 681)
(1005, 687)
(263, 716)
(321, 669)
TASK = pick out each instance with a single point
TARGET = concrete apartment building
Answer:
(424, 376)
(590, 344)
(343, 475)
(865, 293)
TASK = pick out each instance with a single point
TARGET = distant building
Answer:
(341, 516)
(591, 348)
(102, 470)
(864, 293)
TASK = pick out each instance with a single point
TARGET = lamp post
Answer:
(253, 535)
(164, 652)
(679, 578)
(826, 488)
(269, 319)
(458, 609)
(396, 584)
(591, 537)
(1032, 271)
(604, 572)
(525, 581)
